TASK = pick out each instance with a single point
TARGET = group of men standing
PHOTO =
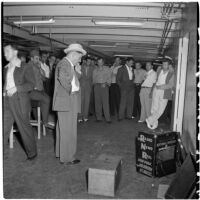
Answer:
(124, 90)
(120, 90)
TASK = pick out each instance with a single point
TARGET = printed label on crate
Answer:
(144, 162)
(144, 146)
(165, 144)
(143, 171)
(143, 138)
(150, 149)
(144, 158)
(144, 154)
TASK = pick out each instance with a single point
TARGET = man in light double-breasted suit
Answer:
(66, 101)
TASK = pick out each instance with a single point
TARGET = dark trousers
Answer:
(44, 101)
(85, 101)
(137, 104)
(48, 87)
(101, 94)
(114, 99)
(92, 104)
(126, 101)
(15, 111)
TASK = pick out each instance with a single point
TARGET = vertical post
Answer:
(39, 121)
(180, 84)
(11, 141)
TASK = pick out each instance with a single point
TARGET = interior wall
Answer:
(188, 26)
(173, 53)
(189, 116)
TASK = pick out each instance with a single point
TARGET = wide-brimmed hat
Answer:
(168, 59)
(75, 47)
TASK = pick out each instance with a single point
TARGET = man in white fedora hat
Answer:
(67, 104)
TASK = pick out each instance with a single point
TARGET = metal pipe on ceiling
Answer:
(163, 34)
(14, 26)
(170, 24)
(167, 28)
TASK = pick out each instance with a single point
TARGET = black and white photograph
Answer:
(99, 99)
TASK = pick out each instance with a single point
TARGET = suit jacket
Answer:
(169, 84)
(62, 88)
(24, 82)
(122, 78)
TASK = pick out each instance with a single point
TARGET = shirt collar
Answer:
(150, 71)
(129, 68)
(164, 72)
(16, 63)
(70, 61)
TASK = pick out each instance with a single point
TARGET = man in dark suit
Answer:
(125, 78)
(66, 101)
(18, 82)
(86, 88)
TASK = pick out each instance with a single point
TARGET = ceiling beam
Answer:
(66, 26)
(16, 31)
(87, 22)
(64, 30)
(178, 5)
(85, 10)
(43, 40)
(95, 52)
(108, 38)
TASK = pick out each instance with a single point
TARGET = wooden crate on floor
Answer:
(156, 153)
(104, 175)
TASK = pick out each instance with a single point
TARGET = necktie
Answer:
(86, 70)
(76, 80)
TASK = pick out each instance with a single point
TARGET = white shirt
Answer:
(114, 71)
(10, 82)
(75, 83)
(139, 75)
(150, 79)
(161, 78)
(46, 69)
(130, 73)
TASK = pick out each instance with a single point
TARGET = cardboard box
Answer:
(104, 175)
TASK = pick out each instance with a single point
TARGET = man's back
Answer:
(62, 87)
(38, 79)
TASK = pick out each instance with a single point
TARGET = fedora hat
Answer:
(75, 47)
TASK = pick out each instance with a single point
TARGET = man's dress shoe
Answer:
(32, 157)
(73, 162)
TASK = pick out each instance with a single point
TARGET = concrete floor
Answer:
(45, 177)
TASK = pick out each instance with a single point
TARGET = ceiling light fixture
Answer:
(122, 44)
(117, 23)
(50, 21)
(101, 45)
(122, 55)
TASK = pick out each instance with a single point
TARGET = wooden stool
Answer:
(36, 122)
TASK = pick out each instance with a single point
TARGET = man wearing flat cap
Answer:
(39, 94)
(67, 103)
